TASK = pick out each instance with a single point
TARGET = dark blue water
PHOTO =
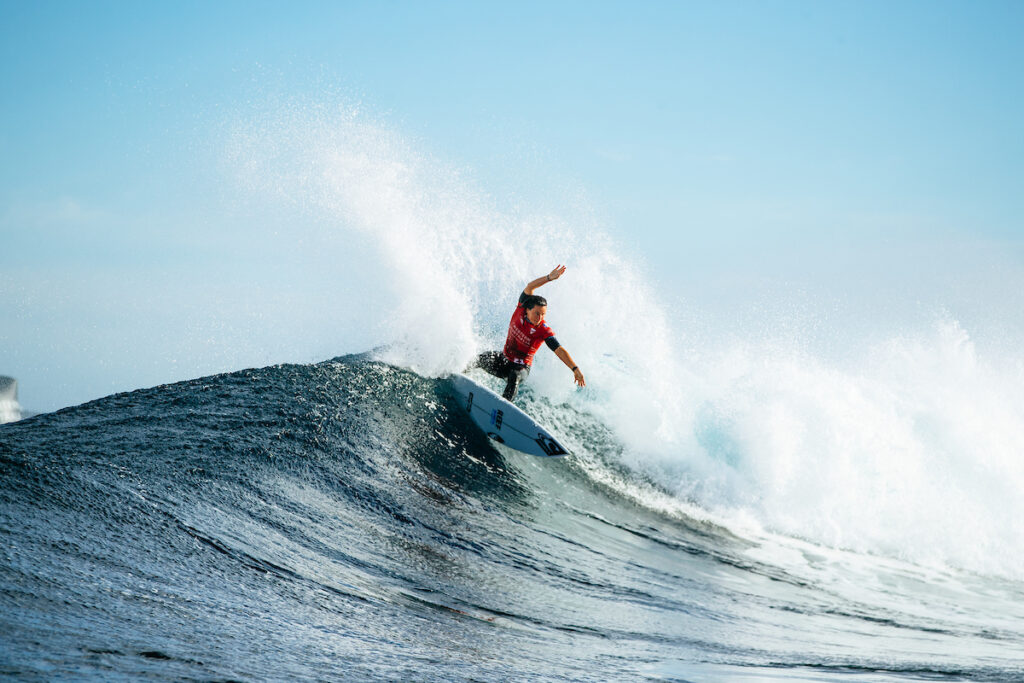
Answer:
(345, 521)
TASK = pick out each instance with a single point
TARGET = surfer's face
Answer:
(536, 314)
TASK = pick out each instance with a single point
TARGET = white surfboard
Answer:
(504, 422)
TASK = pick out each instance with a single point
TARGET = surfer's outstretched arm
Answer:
(544, 279)
(571, 364)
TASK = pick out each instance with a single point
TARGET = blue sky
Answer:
(712, 140)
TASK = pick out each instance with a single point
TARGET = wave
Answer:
(338, 519)
(901, 442)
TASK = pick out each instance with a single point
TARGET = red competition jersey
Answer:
(524, 338)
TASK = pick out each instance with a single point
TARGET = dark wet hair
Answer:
(532, 301)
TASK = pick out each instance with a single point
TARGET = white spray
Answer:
(910, 447)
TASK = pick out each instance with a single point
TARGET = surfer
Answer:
(526, 332)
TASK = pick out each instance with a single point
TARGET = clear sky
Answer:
(710, 139)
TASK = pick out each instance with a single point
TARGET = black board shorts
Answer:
(498, 365)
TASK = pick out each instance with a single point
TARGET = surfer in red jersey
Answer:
(526, 332)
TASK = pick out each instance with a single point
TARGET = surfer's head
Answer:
(536, 308)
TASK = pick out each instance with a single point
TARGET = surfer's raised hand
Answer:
(544, 279)
(578, 375)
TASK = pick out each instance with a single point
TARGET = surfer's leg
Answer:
(493, 362)
(516, 375)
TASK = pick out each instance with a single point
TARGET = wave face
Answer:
(345, 521)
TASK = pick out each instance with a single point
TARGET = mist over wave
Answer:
(905, 444)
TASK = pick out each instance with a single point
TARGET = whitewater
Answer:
(750, 503)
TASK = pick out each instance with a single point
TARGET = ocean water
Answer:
(781, 491)
(345, 521)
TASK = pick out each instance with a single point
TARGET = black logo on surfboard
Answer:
(549, 445)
